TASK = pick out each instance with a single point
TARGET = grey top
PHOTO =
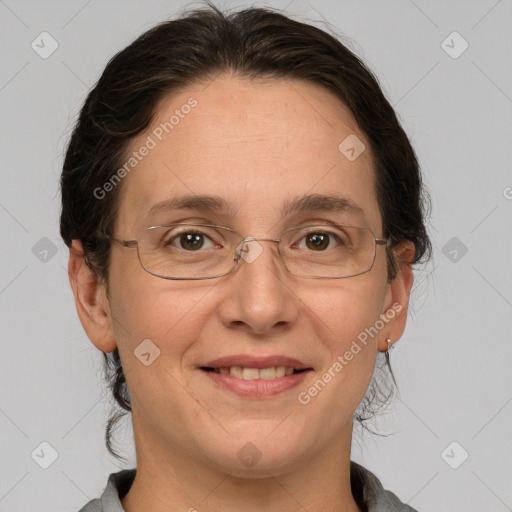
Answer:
(366, 489)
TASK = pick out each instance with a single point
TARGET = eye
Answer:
(320, 241)
(189, 241)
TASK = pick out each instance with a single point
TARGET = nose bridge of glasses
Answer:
(251, 239)
(243, 250)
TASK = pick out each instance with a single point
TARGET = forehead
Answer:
(257, 146)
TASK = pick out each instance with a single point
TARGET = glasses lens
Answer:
(187, 251)
(328, 251)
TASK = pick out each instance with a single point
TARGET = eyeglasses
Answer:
(206, 251)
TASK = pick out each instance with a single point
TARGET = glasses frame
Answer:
(237, 256)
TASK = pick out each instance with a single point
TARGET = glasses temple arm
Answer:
(124, 243)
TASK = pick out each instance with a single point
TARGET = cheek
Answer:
(351, 314)
(163, 315)
(351, 307)
(147, 307)
(350, 348)
(171, 319)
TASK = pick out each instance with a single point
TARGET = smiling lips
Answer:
(269, 373)
(252, 368)
(256, 377)
(245, 361)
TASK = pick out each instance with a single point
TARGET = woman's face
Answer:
(256, 146)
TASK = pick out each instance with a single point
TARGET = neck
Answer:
(170, 479)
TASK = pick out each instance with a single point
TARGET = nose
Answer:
(259, 297)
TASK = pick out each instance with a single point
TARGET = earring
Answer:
(390, 347)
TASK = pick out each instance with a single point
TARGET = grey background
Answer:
(453, 362)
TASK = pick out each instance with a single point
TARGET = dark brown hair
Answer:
(199, 45)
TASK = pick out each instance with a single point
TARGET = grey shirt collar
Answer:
(366, 489)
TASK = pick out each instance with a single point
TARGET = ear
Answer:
(91, 300)
(397, 296)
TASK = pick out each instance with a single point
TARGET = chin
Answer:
(257, 455)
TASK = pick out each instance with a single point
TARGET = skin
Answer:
(256, 144)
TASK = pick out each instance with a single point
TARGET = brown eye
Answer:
(191, 241)
(317, 241)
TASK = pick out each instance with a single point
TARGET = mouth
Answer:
(248, 373)
(255, 377)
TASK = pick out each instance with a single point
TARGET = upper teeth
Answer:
(256, 373)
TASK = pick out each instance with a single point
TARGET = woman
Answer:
(243, 211)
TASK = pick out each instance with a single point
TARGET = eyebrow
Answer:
(217, 204)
